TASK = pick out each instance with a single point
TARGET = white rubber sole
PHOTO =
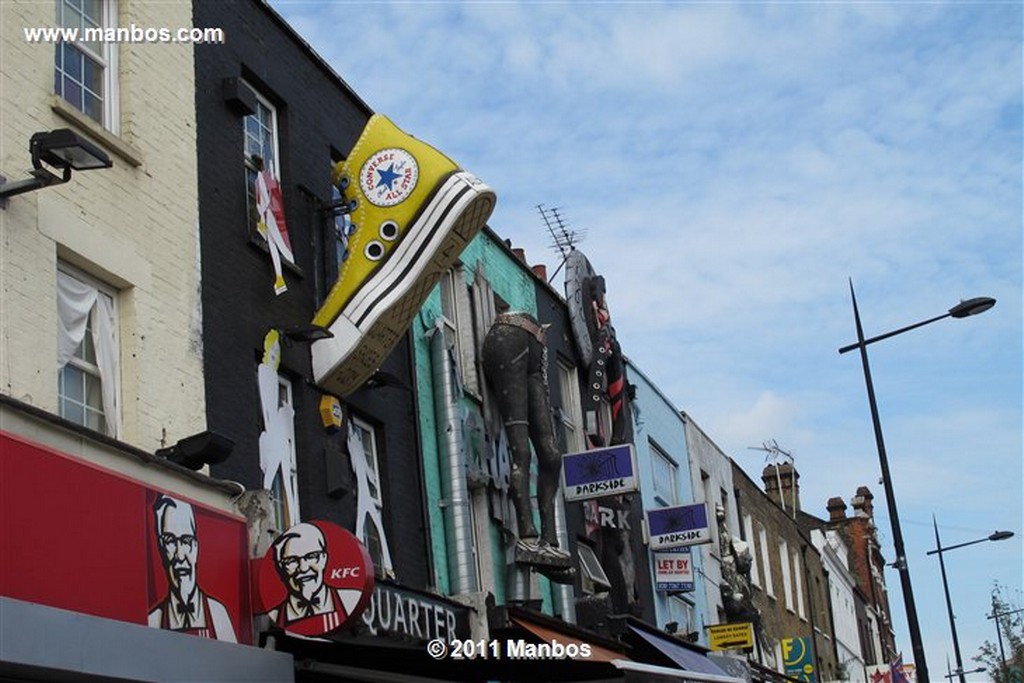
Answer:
(376, 317)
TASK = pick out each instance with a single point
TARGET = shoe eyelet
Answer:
(343, 183)
(374, 250)
(389, 231)
(353, 205)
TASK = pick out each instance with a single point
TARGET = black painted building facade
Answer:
(265, 99)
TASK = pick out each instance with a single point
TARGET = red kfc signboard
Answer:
(87, 539)
(315, 578)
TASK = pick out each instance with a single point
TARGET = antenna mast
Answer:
(775, 454)
(563, 238)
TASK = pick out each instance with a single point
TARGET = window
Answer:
(285, 484)
(85, 71)
(261, 151)
(787, 577)
(87, 352)
(798, 585)
(664, 470)
(748, 532)
(362, 450)
(571, 414)
(709, 501)
(457, 303)
(762, 540)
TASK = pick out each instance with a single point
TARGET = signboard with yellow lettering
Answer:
(731, 636)
(798, 659)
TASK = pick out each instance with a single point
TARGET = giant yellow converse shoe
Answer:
(412, 211)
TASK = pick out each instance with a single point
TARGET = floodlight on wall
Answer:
(61, 149)
(199, 450)
(306, 333)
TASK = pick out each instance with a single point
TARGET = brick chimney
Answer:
(541, 271)
(836, 509)
(862, 505)
(786, 474)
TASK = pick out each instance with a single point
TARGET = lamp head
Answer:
(1000, 536)
(969, 307)
(63, 149)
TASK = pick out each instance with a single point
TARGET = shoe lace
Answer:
(342, 208)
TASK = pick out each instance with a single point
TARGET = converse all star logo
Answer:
(388, 176)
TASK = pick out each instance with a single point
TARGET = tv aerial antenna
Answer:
(775, 455)
(563, 238)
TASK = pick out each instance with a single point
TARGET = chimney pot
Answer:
(541, 271)
(520, 253)
(836, 509)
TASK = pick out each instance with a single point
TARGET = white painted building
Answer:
(842, 587)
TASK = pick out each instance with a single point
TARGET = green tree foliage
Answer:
(1011, 631)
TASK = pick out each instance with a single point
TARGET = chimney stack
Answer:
(836, 509)
(541, 271)
(783, 474)
(862, 505)
(520, 253)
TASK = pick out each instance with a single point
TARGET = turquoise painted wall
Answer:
(658, 419)
(510, 280)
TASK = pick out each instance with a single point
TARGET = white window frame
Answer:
(748, 530)
(285, 517)
(91, 369)
(762, 538)
(104, 54)
(798, 586)
(275, 163)
(709, 505)
(664, 470)
(787, 577)
(572, 410)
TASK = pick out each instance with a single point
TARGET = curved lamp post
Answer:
(962, 310)
(995, 536)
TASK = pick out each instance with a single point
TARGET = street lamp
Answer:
(962, 310)
(995, 536)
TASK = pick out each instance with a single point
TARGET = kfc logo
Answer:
(186, 607)
(315, 578)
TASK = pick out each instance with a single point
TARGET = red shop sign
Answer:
(315, 578)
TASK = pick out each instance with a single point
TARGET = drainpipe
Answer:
(565, 601)
(456, 504)
(417, 429)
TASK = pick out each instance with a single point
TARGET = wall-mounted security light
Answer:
(306, 333)
(198, 450)
(61, 149)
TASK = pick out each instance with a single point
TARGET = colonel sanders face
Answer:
(301, 559)
(179, 547)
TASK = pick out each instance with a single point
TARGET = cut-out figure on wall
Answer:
(271, 224)
(366, 508)
(737, 594)
(515, 363)
(186, 608)
(276, 440)
(300, 556)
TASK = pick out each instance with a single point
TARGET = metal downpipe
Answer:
(456, 504)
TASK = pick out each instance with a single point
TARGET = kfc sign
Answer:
(315, 578)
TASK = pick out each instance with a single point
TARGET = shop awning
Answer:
(597, 653)
(686, 658)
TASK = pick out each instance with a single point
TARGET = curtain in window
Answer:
(77, 304)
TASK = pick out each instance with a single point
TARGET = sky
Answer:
(734, 167)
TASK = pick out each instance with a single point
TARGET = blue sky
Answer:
(734, 165)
